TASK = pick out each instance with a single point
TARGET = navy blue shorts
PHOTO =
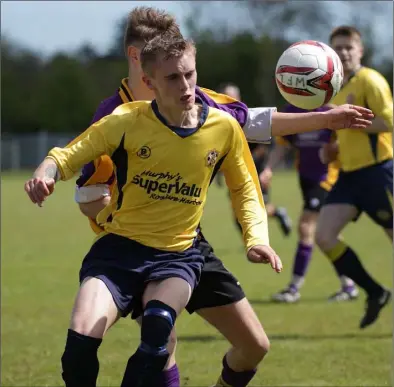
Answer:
(126, 266)
(313, 194)
(217, 286)
(369, 189)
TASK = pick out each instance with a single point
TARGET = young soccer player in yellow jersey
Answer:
(365, 183)
(218, 297)
(165, 153)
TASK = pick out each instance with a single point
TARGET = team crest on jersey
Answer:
(144, 152)
(211, 158)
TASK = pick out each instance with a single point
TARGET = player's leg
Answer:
(279, 213)
(93, 314)
(376, 199)
(239, 324)
(314, 196)
(106, 293)
(170, 375)
(170, 282)
(333, 218)
(306, 233)
(220, 300)
(163, 301)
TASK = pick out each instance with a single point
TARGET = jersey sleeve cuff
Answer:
(58, 165)
(258, 124)
(91, 193)
(256, 243)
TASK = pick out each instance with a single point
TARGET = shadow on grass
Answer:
(306, 300)
(293, 336)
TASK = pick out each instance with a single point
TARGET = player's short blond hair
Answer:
(348, 31)
(145, 23)
(167, 46)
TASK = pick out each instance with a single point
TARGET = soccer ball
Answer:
(309, 74)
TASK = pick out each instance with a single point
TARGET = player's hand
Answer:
(329, 152)
(266, 177)
(349, 116)
(39, 189)
(264, 254)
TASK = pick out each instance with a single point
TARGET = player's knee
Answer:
(171, 348)
(261, 347)
(157, 323)
(306, 232)
(85, 327)
(172, 342)
(255, 351)
(79, 361)
(324, 239)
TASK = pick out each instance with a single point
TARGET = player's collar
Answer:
(124, 91)
(182, 132)
(352, 75)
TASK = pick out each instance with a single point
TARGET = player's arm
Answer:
(329, 152)
(264, 123)
(93, 187)
(275, 157)
(247, 200)
(340, 117)
(255, 122)
(259, 153)
(261, 123)
(43, 181)
(278, 153)
(63, 163)
(380, 101)
(244, 195)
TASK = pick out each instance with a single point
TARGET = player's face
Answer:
(174, 81)
(349, 50)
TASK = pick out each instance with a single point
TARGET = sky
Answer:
(50, 26)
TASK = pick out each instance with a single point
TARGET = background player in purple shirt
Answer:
(315, 180)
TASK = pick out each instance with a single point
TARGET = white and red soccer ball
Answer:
(309, 74)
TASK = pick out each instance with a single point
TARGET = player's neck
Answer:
(180, 118)
(139, 89)
(348, 74)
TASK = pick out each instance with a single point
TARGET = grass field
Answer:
(313, 343)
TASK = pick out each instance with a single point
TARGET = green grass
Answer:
(313, 343)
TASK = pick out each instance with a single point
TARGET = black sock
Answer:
(79, 361)
(347, 263)
(145, 367)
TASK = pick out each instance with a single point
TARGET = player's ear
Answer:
(132, 53)
(147, 82)
(362, 50)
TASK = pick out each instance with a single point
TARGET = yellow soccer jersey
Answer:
(163, 174)
(358, 149)
(100, 171)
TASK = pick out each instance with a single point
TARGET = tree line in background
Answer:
(61, 94)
